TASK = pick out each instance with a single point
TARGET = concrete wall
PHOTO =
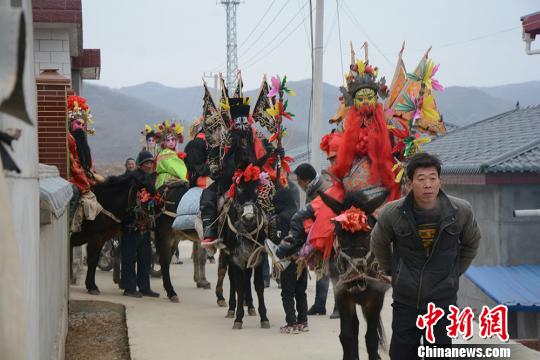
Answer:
(24, 195)
(506, 241)
(51, 51)
(53, 287)
(485, 201)
(521, 236)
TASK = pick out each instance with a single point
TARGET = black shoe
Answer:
(315, 310)
(134, 294)
(335, 314)
(150, 293)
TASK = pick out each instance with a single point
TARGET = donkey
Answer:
(116, 195)
(360, 281)
(244, 236)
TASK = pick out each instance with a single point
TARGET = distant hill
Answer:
(119, 119)
(527, 93)
(121, 113)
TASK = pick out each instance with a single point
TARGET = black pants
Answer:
(291, 290)
(209, 211)
(406, 336)
(136, 250)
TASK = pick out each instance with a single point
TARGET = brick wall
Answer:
(52, 51)
(52, 92)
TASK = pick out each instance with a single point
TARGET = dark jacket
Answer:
(285, 207)
(318, 184)
(418, 280)
(196, 160)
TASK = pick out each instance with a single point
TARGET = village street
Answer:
(196, 328)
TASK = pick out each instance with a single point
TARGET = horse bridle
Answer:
(252, 235)
(358, 267)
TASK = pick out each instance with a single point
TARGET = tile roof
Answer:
(508, 142)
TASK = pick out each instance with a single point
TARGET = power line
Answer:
(266, 28)
(251, 60)
(252, 31)
(339, 34)
(257, 24)
(478, 37)
(354, 19)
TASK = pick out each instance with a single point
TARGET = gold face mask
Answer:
(365, 96)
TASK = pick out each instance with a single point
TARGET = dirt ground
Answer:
(97, 330)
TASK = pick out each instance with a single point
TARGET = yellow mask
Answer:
(365, 96)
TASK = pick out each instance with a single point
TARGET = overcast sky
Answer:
(174, 42)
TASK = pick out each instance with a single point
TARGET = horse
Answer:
(244, 234)
(360, 281)
(167, 239)
(116, 195)
(223, 266)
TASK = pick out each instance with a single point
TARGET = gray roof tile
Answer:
(508, 142)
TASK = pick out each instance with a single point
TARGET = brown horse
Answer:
(167, 239)
(117, 194)
(360, 280)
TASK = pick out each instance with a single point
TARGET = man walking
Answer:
(136, 247)
(425, 241)
(312, 183)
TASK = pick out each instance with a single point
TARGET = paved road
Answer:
(197, 329)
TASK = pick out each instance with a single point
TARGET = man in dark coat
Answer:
(136, 247)
(425, 241)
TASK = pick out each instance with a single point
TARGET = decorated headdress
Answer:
(196, 127)
(148, 132)
(239, 107)
(362, 76)
(165, 128)
(78, 109)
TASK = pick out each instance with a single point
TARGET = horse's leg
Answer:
(258, 281)
(222, 271)
(117, 259)
(232, 292)
(239, 282)
(163, 248)
(199, 261)
(372, 313)
(248, 295)
(93, 252)
(348, 325)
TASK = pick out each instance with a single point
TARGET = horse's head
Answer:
(353, 226)
(245, 211)
(119, 193)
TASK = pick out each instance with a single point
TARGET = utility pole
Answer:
(214, 76)
(317, 100)
(232, 56)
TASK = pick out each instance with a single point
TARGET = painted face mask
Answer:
(77, 124)
(170, 142)
(241, 123)
(365, 96)
(151, 143)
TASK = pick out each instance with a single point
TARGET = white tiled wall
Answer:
(51, 51)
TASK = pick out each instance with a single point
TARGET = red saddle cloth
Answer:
(321, 229)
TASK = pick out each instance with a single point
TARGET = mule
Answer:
(360, 281)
